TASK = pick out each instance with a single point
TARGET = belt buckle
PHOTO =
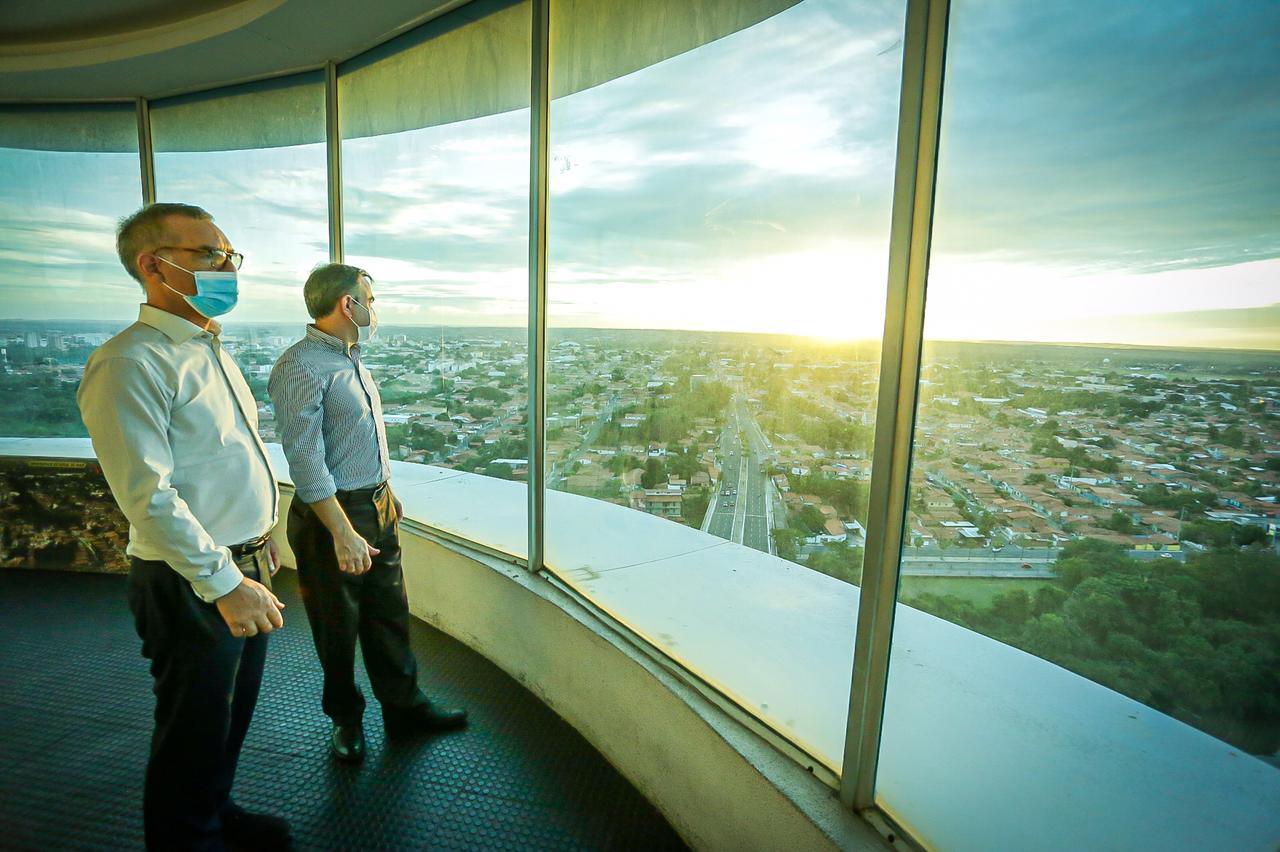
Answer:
(251, 546)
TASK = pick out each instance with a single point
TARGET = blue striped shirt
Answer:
(329, 417)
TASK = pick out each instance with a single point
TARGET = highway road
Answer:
(1008, 561)
(739, 511)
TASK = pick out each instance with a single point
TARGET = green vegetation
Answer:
(785, 542)
(42, 406)
(838, 560)
(1200, 641)
(783, 411)
(507, 448)
(1222, 534)
(668, 421)
(809, 520)
(417, 436)
(1161, 497)
(694, 505)
(978, 591)
(1121, 523)
(847, 496)
(490, 394)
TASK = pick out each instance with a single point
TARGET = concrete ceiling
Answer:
(110, 49)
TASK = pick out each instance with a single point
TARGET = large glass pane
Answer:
(435, 201)
(1090, 657)
(254, 157)
(67, 174)
(720, 185)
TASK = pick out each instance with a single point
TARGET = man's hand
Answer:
(355, 555)
(399, 509)
(250, 609)
(273, 553)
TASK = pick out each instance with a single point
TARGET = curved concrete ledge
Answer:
(984, 746)
(147, 37)
(715, 781)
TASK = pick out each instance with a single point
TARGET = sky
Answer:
(1109, 172)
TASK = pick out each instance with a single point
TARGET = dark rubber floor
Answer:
(75, 720)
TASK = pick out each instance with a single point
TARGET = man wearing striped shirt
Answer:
(344, 518)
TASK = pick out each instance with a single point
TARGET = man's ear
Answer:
(147, 263)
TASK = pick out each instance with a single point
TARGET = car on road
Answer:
(1026, 566)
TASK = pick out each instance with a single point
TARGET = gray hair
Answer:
(148, 229)
(328, 283)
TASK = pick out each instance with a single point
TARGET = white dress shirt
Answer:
(175, 429)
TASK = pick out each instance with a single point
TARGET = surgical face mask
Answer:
(365, 332)
(216, 292)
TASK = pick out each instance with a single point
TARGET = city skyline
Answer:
(232, 322)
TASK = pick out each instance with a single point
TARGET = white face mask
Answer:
(365, 332)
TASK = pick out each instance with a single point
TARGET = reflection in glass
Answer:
(254, 157)
(67, 174)
(440, 216)
(1093, 482)
(435, 203)
(718, 242)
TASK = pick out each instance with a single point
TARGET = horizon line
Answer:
(816, 338)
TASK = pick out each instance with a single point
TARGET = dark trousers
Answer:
(206, 686)
(372, 606)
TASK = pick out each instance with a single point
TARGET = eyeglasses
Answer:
(215, 257)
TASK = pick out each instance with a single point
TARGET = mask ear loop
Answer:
(208, 320)
(175, 266)
(362, 307)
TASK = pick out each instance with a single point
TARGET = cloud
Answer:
(1093, 157)
(1230, 328)
(1101, 136)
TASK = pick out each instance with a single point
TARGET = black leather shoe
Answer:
(347, 743)
(422, 718)
(243, 829)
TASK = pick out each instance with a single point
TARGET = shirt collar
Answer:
(173, 326)
(335, 343)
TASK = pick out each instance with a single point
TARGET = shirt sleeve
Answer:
(298, 398)
(126, 410)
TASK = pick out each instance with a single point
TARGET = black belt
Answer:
(361, 493)
(248, 547)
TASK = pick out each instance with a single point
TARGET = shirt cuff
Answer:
(315, 493)
(219, 583)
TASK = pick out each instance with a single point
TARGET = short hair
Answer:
(146, 229)
(327, 284)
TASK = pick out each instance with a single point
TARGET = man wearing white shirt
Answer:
(174, 427)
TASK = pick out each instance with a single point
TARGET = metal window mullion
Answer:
(539, 114)
(146, 152)
(333, 157)
(916, 168)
